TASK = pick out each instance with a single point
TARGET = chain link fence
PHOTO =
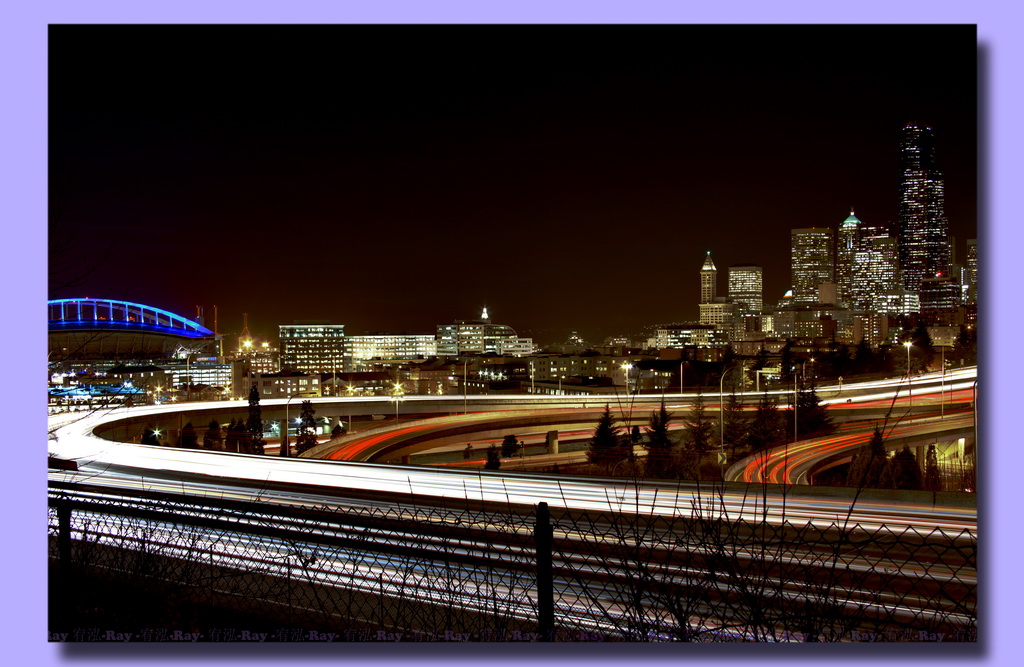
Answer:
(160, 566)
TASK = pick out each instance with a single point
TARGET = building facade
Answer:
(923, 228)
(746, 289)
(313, 348)
(811, 262)
(847, 242)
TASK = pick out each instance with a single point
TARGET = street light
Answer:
(721, 415)
(284, 431)
(396, 397)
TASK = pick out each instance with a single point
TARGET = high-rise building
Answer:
(708, 280)
(746, 288)
(923, 228)
(480, 337)
(811, 262)
(847, 242)
(714, 310)
(875, 272)
(972, 270)
(313, 348)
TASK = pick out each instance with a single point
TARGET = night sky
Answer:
(392, 178)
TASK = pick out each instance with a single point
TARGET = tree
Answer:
(760, 361)
(786, 362)
(493, 458)
(766, 428)
(869, 463)
(213, 438)
(467, 453)
(509, 446)
(735, 423)
(923, 351)
(231, 439)
(902, 472)
(188, 438)
(634, 435)
(699, 428)
(338, 430)
(812, 417)
(306, 438)
(255, 424)
(604, 445)
(863, 357)
(932, 479)
(659, 445)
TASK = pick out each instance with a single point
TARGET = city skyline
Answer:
(561, 188)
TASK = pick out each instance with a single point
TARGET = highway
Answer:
(944, 589)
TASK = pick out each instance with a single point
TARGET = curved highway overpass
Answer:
(78, 438)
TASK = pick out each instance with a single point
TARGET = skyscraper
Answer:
(811, 262)
(714, 310)
(746, 289)
(708, 278)
(972, 269)
(923, 228)
(847, 241)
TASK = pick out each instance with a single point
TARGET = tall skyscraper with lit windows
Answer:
(847, 241)
(923, 228)
(811, 262)
(746, 289)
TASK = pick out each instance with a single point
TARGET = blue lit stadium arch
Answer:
(108, 328)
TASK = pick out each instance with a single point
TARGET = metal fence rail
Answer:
(434, 573)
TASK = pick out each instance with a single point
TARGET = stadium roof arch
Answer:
(113, 329)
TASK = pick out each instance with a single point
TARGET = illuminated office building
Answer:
(847, 241)
(313, 348)
(746, 288)
(811, 262)
(923, 228)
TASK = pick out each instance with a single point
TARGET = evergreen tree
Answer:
(231, 438)
(213, 438)
(869, 463)
(659, 445)
(338, 431)
(509, 446)
(902, 472)
(699, 428)
(188, 438)
(634, 435)
(254, 425)
(306, 438)
(812, 417)
(493, 458)
(604, 445)
(467, 453)
(922, 354)
(786, 363)
(863, 357)
(766, 428)
(736, 424)
(932, 479)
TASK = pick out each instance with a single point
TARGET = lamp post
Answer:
(397, 397)
(721, 415)
(942, 383)
(533, 389)
(284, 429)
(681, 377)
(465, 387)
(625, 369)
(910, 392)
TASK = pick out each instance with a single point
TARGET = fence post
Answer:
(543, 538)
(64, 536)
